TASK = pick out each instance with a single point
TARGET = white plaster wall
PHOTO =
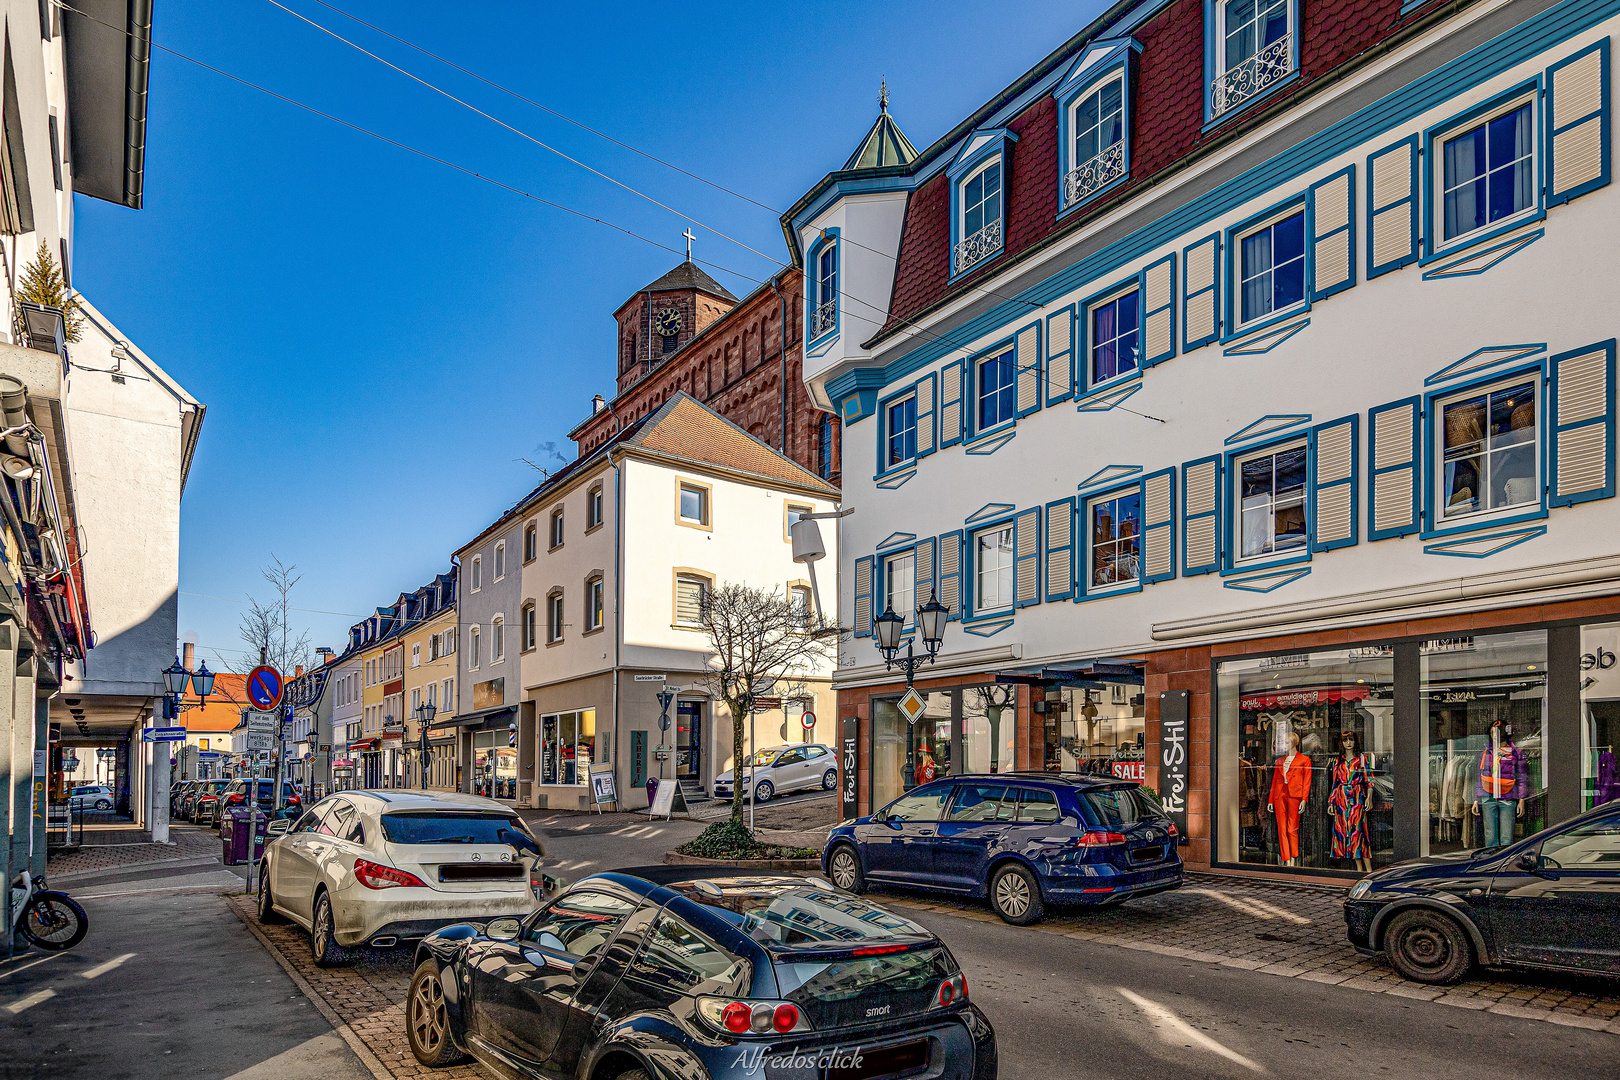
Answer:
(581, 554)
(869, 237)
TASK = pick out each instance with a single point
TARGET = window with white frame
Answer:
(1097, 150)
(799, 597)
(526, 626)
(477, 572)
(500, 560)
(979, 223)
(1254, 48)
(554, 616)
(1271, 501)
(497, 640)
(902, 431)
(691, 595)
(993, 569)
(1271, 267)
(997, 396)
(900, 585)
(1488, 449)
(1114, 551)
(433, 694)
(593, 604)
(472, 648)
(416, 655)
(1488, 172)
(557, 527)
(593, 507)
(824, 312)
(1116, 336)
(416, 699)
(694, 504)
(447, 693)
(529, 541)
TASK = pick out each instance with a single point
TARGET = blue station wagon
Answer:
(1023, 840)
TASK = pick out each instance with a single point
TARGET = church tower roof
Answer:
(885, 144)
(688, 275)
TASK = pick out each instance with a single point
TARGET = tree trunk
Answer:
(738, 718)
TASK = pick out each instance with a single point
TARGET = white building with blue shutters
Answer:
(1243, 378)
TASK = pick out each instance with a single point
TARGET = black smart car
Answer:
(1551, 900)
(619, 978)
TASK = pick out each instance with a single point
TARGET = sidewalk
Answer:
(126, 845)
(1297, 932)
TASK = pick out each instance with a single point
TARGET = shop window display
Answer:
(989, 728)
(1484, 708)
(494, 765)
(1600, 714)
(905, 755)
(1305, 749)
(567, 743)
(1098, 730)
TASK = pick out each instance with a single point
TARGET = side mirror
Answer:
(503, 929)
(894, 823)
(1529, 862)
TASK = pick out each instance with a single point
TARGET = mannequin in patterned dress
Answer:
(1347, 803)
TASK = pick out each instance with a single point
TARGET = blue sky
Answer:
(380, 339)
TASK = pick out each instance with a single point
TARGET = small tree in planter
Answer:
(42, 283)
(759, 637)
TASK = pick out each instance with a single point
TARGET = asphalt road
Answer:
(1064, 1008)
(581, 844)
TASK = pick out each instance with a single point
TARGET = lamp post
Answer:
(425, 713)
(888, 627)
(175, 678)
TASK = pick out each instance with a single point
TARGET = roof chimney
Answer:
(188, 653)
(598, 403)
(298, 671)
(326, 654)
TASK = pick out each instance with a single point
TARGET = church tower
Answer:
(659, 319)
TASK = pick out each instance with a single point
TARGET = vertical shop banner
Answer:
(1173, 755)
(851, 728)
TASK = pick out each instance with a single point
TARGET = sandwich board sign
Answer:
(665, 798)
(602, 786)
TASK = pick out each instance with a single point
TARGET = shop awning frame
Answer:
(472, 719)
(1080, 673)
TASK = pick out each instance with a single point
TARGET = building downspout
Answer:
(783, 298)
(618, 606)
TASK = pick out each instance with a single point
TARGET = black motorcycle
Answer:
(51, 920)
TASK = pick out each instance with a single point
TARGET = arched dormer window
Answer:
(822, 299)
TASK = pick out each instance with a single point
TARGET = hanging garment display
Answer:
(1347, 805)
(1290, 787)
(1608, 778)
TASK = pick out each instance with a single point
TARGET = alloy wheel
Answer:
(427, 1015)
(1012, 894)
(843, 870)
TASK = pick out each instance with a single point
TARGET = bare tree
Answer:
(763, 643)
(267, 627)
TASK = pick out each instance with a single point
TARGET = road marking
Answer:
(102, 969)
(30, 1001)
(1174, 1029)
(31, 963)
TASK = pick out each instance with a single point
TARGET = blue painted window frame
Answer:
(972, 612)
(1231, 517)
(885, 464)
(1530, 90)
(1083, 589)
(1556, 426)
(1231, 266)
(1431, 432)
(970, 402)
(828, 238)
(1213, 42)
(1084, 384)
(930, 418)
(880, 584)
(1114, 67)
(963, 169)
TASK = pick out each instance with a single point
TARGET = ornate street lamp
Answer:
(889, 627)
(425, 713)
(175, 678)
(202, 680)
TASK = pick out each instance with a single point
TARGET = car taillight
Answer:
(376, 876)
(235, 798)
(1099, 839)
(953, 991)
(745, 1017)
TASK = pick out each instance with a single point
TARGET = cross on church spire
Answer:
(883, 95)
(689, 239)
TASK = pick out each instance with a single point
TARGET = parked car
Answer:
(377, 868)
(1024, 840)
(91, 797)
(200, 800)
(796, 767)
(177, 795)
(1551, 900)
(734, 977)
(236, 794)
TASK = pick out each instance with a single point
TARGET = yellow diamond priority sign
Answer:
(912, 705)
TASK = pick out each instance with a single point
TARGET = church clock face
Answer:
(667, 322)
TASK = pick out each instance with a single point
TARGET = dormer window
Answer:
(981, 217)
(1254, 49)
(1098, 123)
(824, 287)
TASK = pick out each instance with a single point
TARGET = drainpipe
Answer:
(783, 298)
(618, 606)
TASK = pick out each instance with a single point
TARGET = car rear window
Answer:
(1121, 806)
(473, 828)
(805, 916)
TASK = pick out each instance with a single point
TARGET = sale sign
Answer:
(1131, 770)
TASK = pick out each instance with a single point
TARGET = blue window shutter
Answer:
(924, 568)
(950, 573)
(950, 404)
(1393, 452)
(1578, 131)
(1158, 526)
(1333, 234)
(863, 596)
(1392, 207)
(1060, 549)
(1158, 287)
(1581, 449)
(1201, 516)
(1027, 369)
(1335, 452)
(926, 441)
(880, 592)
(1200, 308)
(1027, 557)
(1060, 356)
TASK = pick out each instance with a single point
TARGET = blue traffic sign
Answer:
(264, 688)
(164, 734)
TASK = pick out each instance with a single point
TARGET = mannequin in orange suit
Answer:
(1290, 786)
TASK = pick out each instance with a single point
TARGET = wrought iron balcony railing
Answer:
(979, 246)
(1095, 174)
(823, 318)
(1253, 75)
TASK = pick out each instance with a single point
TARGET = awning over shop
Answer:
(362, 745)
(1079, 673)
(499, 716)
(1296, 698)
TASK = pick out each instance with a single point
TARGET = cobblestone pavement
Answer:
(185, 842)
(1295, 932)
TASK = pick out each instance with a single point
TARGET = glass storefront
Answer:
(1098, 730)
(989, 727)
(1600, 714)
(494, 765)
(975, 726)
(567, 747)
(1484, 712)
(1306, 749)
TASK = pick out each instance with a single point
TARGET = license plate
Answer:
(1148, 854)
(891, 1061)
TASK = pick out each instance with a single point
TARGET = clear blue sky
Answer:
(380, 339)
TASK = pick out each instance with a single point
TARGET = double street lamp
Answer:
(175, 678)
(424, 714)
(891, 626)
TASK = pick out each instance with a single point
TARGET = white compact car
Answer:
(380, 867)
(782, 769)
(91, 797)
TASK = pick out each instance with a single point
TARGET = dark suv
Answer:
(235, 796)
(1021, 839)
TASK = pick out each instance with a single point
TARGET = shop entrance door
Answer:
(689, 740)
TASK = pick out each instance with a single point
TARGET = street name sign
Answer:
(164, 734)
(651, 678)
(261, 722)
(264, 687)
